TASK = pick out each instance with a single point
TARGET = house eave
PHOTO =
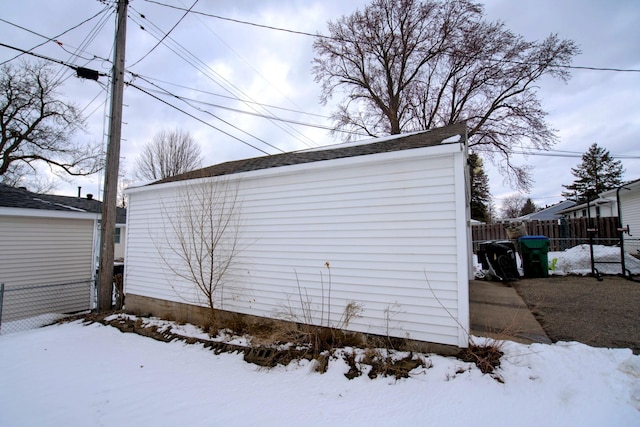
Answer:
(45, 213)
(388, 156)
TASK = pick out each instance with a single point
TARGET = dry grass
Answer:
(485, 356)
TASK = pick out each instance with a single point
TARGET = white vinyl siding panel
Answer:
(630, 210)
(38, 250)
(389, 226)
(118, 247)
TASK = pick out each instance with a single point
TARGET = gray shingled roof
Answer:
(11, 197)
(551, 212)
(401, 142)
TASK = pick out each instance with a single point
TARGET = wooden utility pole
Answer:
(108, 223)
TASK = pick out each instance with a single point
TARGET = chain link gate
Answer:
(25, 307)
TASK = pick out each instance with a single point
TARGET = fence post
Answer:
(1, 301)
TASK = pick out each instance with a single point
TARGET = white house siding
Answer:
(118, 248)
(37, 250)
(630, 210)
(392, 228)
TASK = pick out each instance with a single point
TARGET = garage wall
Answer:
(44, 250)
(630, 209)
(387, 231)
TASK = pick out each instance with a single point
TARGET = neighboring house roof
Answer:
(11, 197)
(445, 135)
(596, 202)
(548, 213)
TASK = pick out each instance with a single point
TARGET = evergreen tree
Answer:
(480, 195)
(528, 208)
(598, 172)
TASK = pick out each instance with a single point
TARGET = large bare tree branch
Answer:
(407, 65)
(37, 126)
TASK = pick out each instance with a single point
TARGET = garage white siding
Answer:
(388, 231)
(39, 250)
(630, 210)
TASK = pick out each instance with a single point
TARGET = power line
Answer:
(248, 65)
(212, 115)
(57, 61)
(238, 21)
(236, 110)
(197, 118)
(234, 98)
(49, 39)
(205, 69)
(89, 38)
(303, 33)
(561, 153)
(166, 35)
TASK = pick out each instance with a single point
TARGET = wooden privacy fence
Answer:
(562, 233)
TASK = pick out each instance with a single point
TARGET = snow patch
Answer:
(77, 375)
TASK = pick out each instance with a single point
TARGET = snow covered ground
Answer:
(75, 375)
(577, 260)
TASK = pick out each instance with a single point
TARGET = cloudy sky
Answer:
(212, 62)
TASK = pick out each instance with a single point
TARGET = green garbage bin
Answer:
(535, 259)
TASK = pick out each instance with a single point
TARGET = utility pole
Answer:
(108, 223)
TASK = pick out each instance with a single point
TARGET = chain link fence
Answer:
(576, 256)
(596, 255)
(25, 307)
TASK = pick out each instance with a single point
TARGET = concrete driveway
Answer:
(497, 311)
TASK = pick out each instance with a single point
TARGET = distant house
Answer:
(89, 204)
(598, 208)
(384, 223)
(629, 197)
(549, 213)
(48, 239)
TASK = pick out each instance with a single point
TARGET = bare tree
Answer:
(512, 205)
(21, 175)
(37, 125)
(406, 65)
(170, 153)
(201, 242)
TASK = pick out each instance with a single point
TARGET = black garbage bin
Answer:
(535, 258)
(498, 259)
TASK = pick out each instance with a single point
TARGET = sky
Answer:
(77, 375)
(210, 60)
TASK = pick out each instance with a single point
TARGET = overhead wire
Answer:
(88, 39)
(197, 68)
(304, 33)
(236, 110)
(258, 73)
(239, 21)
(211, 70)
(49, 39)
(207, 71)
(196, 118)
(560, 153)
(47, 58)
(186, 101)
(236, 99)
(166, 35)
